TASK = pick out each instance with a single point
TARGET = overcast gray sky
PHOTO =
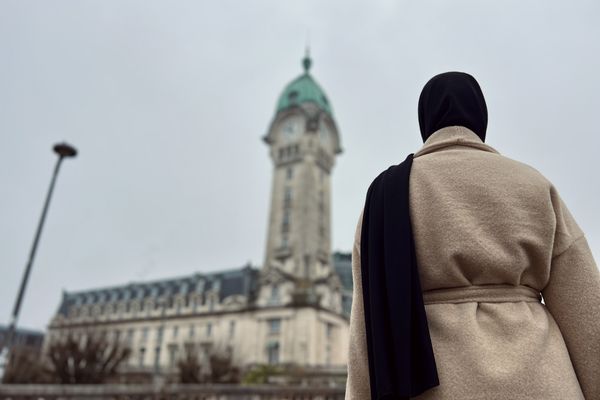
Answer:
(167, 102)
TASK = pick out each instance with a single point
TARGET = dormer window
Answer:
(293, 96)
(200, 286)
(274, 298)
(183, 289)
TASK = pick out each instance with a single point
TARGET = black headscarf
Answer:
(452, 98)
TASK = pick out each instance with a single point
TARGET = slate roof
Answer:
(240, 281)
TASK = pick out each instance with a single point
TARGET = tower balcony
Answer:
(283, 252)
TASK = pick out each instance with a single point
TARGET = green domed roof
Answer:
(304, 89)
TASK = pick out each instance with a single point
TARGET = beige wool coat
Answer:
(491, 234)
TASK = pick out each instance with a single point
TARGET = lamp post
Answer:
(63, 150)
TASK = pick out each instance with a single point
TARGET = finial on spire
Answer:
(306, 61)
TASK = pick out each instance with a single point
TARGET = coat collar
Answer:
(453, 136)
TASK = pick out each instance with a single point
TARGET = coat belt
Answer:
(482, 293)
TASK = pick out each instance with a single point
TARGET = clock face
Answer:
(292, 127)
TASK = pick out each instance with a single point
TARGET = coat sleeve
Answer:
(572, 296)
(357, 385)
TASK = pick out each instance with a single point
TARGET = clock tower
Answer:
(303, 140)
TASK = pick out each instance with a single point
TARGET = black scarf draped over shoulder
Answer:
(401, 359)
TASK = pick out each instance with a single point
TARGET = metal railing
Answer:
(167, 392)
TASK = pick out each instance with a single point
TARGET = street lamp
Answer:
(63, 150)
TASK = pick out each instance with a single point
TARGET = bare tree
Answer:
(86, 359)
(223, 368)
(217, 365)
(190, 368)
(26, 366)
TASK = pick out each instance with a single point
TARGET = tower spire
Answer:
(306, 61)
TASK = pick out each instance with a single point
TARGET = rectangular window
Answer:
(286, 221)
(286, 217)
(130, 334)
(208, 329)
(274, 325)
(192, 331)
(189, 347)
(175, 331)
(144, 334)
(231, 328)
(173, 350)
(157, 356)
(273, 353)
(328, 330)
(141, 356)
(287, 198)
(289, 172)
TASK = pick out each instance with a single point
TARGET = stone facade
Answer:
(293, 309)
